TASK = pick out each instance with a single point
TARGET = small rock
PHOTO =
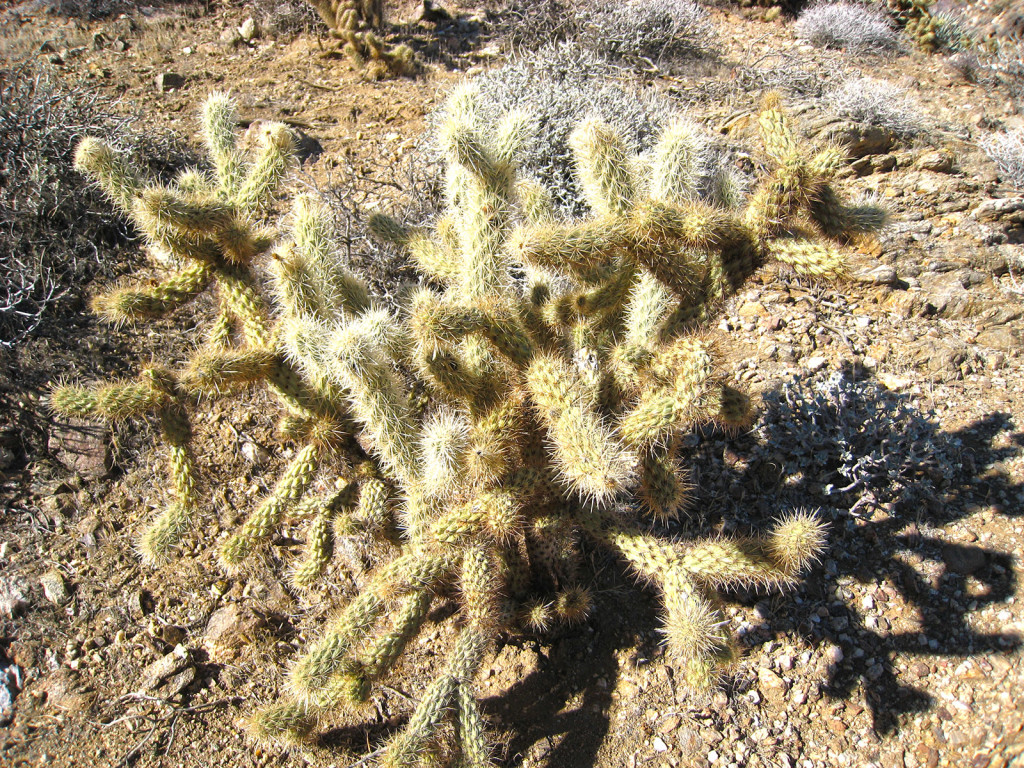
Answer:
(55, 589)
(815, 363)
(1008, 209)
(669, 724)
(248, 30)
(927, 756)
(255, 454)
(136, 604)
(919, 669)
(881, 275)
(164, 668)
(228, 630)
(770, 683)
(81, 446)
(940, 161)
(171, 634)
(230, 37)
(63, 692)
(87, 529)
(168, 81)
(999, 339)
(860, 140)
(659, 744)
(834, 654)
(177, 683)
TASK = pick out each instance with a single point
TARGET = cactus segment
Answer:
(288, 490)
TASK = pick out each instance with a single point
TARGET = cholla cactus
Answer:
(351, 21)
(350, 14)
(916, 18)
(562, 362)
(368, 53)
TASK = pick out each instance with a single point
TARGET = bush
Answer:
(1006, 150)
(559, 86)
(285, 17)
(528, 25)
(861, 442)
(52, 223)
(878, 103)
(844, 25)
(645, 32)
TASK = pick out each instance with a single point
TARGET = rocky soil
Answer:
(893, 401)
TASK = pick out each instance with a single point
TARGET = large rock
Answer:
(1004, 214)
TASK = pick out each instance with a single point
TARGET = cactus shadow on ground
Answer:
(905, 533)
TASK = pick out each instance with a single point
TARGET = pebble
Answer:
(834, 654)
(55, 589)
(255, 454)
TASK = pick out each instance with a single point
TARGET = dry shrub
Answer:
(879, 103)
(845, 25)
(53, 224)
(1006, 150)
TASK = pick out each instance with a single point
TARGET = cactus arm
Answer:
(376, 398)
(267, 171)
(165, 533)
(116, 176)
(604, 168)
(588, 455)
(664, 491)
(808, 257)
(126, 303)
(337, 288)
(409, 573)
(219, 118)
(287, 492)
(215, 371)
(678, 158)
(245, 303)
(671, 407)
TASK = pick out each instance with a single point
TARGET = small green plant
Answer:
(531, 397)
